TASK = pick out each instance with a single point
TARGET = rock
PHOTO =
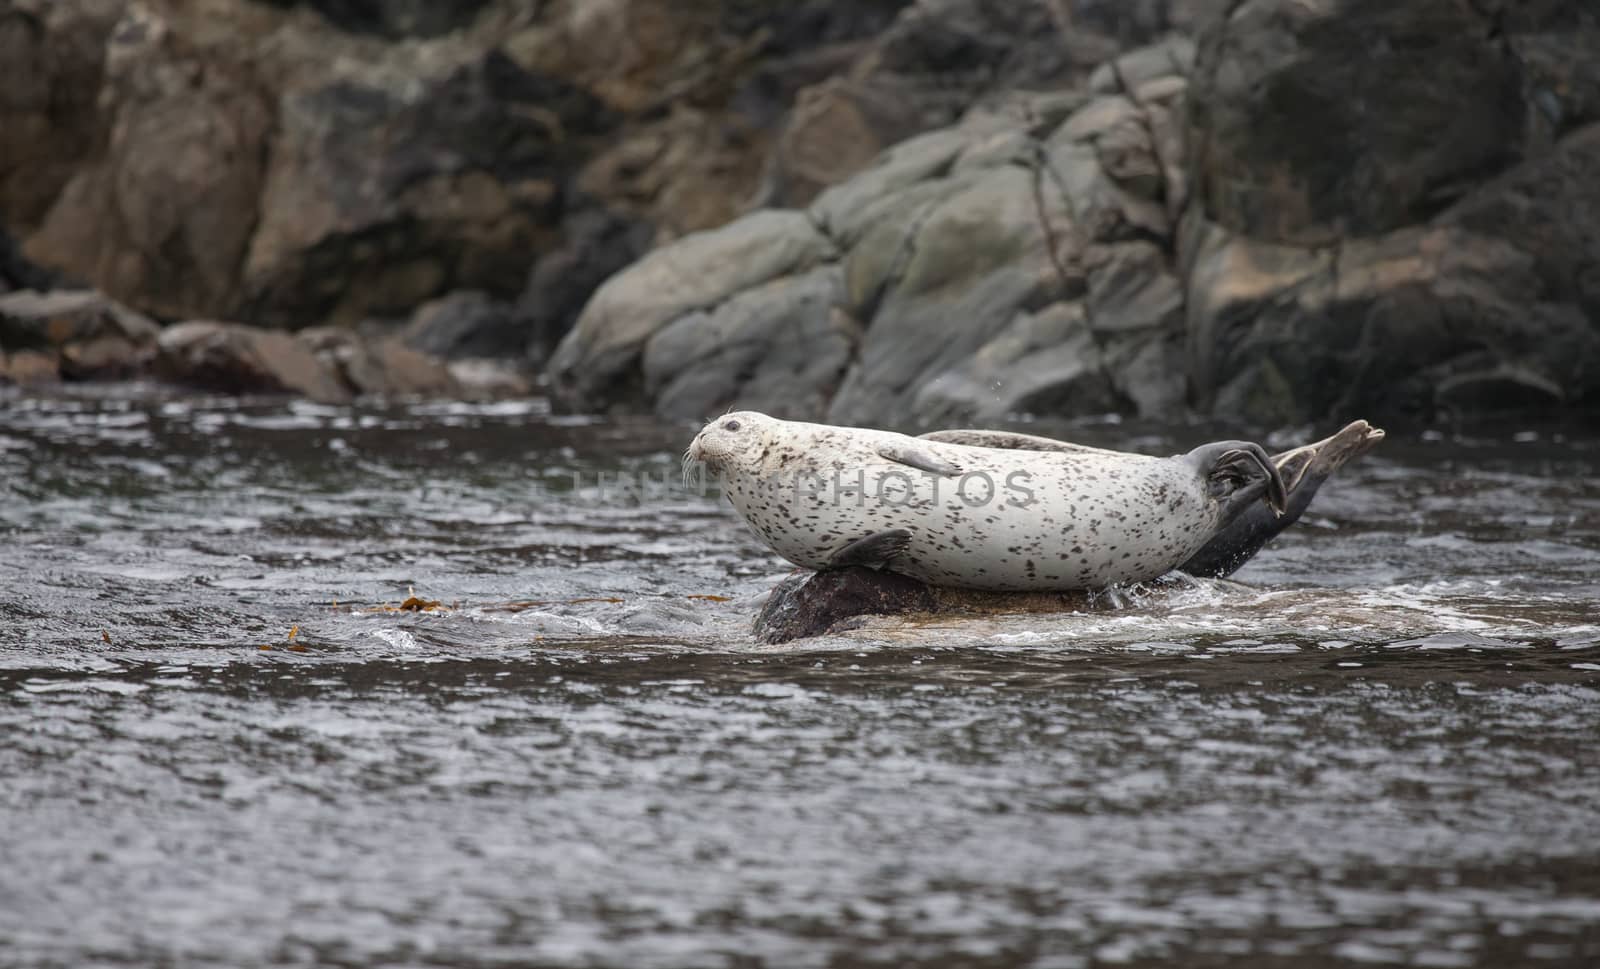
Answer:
(780, 348)
(162, 89)
(50, 119)
(1399, 134)
(28, 367)
(77, 335)
(1127, 73)
(1490, 306)
(394, 18)
(483, 379)
(1040, 363)
(105, 358)
(810, 603)
(937, 62)
(597, 243)
(404, 180)
(325, 175)
(598, 362)
(1004, 264)
(466, 323)
(57, 319)
(17, 272)
(939, 287)
(234, 359)
(380, 365)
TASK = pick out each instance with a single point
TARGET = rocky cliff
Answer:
(1319, 207)
(868, 211)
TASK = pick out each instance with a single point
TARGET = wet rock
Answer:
(105, 358)
(810, 603)
(82, 334)
(232, 358)
(466, 323)
(482, 379)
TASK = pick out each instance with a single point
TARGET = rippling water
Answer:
(223, 745)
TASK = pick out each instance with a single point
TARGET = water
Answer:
(221, 744)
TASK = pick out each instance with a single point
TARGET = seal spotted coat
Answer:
(952, 514)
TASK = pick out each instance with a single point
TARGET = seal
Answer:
(959, 515)
(1303, 470)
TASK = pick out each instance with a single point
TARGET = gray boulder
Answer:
(600, 361)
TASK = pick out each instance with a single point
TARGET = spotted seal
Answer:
(1303, 469)
(972, 516)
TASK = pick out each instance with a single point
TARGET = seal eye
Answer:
(730, 425)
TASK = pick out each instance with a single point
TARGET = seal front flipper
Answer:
(921, 460)
(1007, 440)
(874, 550)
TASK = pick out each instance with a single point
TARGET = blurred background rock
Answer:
(868, 211)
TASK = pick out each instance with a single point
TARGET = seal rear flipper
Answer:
(1303, 469)
(1006, 440)
(921, 460)
(1237, 473)
(873, 550)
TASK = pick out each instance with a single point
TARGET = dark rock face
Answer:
(1412, 234)
(383, 196)
(394, 18)
(597, 243)
(1298, 142)
(466, 323)
(16, 272)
